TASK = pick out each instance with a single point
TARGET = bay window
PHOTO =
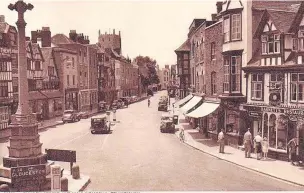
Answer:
(3, 89)
(226, 29)
(257, 86)
(236, 27)
(297, 87)
(226, 75)
(232, 74)
(235, 73)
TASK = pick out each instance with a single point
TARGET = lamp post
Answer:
(24, 145)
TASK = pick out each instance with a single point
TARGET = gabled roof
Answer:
(33, 49)
(281, 19)
(61, 39)
(232, 4)
(47, 55)
(290, 6)
(184, 47)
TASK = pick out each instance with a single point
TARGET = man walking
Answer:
(247, 143)
(221, 141)
(292, 147)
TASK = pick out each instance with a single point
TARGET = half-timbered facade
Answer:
(8, 61)
(275, 78)
(183, 68)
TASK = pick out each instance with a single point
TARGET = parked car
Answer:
(83, 115)
(99, 124)
(126, 101)
(70, 116)
(134, 99)
(162, 106)
(102, 106)
(167, 124)
(114, 104)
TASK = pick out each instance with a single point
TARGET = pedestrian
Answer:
(148, 102)
(292, 147)
(258, 145)
(265, 146)
(221, 141)
(247, 143)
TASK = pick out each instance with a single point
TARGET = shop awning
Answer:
(203, 110)
(184, 100)
(189, 105)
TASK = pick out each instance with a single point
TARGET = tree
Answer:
(147, 69)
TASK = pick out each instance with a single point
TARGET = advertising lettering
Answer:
(28, 175)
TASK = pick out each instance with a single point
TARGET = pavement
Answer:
(275, 168)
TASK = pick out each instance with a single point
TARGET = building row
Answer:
(244, 69)
(64, 72)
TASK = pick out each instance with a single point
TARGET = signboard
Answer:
(61, 155)
(255, 114)
(28, 176)
(8, 51)
(288, 111)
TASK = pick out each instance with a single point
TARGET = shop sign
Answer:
(8, 51)
(272, 110)
(255, 114)
(294, 112)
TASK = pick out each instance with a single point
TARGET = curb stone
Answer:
(252, 169)
(85, 185)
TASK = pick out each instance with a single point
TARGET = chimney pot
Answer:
(114, 31)
(2, 18)
(73, 31)
(219, 6)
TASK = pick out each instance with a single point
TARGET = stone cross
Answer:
(23, 105)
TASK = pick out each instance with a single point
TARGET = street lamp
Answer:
(24, 146)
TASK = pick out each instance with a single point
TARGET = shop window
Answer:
(235, 73)
(272, 131)
(282, 132)
(297, 87)
(276, 83)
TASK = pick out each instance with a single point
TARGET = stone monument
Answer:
(24, 146)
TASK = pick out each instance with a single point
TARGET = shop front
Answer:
(278, 124)
(71, 99)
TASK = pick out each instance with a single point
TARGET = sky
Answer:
(148, 28)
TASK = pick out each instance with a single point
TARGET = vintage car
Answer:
(126, 101)
(102, 106)
(167, 124)
(100, 124)
(162, 106)
(114, 104)
(70, 116)
(83, 115)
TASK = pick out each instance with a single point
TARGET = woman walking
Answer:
(258, 145)
(265, 145)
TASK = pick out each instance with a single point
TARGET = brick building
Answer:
(86, 65)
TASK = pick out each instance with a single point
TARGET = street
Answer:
(137, 156)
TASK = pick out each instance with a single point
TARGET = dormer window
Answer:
(271, 44)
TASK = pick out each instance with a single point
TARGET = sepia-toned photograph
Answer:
(151, 95)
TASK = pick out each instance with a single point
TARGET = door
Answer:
(255, 127)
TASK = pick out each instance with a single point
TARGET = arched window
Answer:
(213, 83)
(272, 131)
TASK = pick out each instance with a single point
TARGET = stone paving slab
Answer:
(275, 168)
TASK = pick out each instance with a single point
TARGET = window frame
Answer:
(213, 83)
(237, 27)
(212, 51)
(237, 73)
(226, 26)
(295, 84)
(254, 84)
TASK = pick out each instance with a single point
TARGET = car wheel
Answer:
(63, 122)
(92, 132)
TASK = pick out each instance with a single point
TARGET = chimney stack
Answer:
(114, 31)
(73, 35)
(2, 18)
(219, 6)
(46, 37)
(213, 17)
